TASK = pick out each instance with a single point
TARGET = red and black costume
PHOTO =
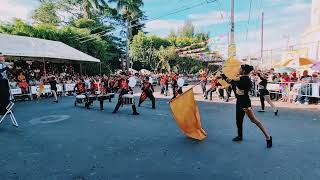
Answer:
(124, 89)
(175, 88)
(147, 92)
(164, 85)
(203, 82)
(213, 88)
(80, 88)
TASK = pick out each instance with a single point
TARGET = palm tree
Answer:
(90, 6)
(130, 8)
(132, 14)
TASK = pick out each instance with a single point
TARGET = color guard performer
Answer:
(243, 85)
(124, 89)
(147, 92)
(264, 94)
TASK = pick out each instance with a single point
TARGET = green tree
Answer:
(46, 13)
(187, 30)
(132, 14)
(88, 8)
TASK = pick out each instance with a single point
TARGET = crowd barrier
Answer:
(34, 90)
(293, 90)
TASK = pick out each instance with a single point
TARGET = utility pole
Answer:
(262, 26)
(127, 48)
(232, 45)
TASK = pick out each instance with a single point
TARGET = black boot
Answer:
(269, 142)
(276, 112)
(134, 109)
(237, 139)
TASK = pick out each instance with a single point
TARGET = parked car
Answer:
(186, 81)
(139, 83)
(154, 80)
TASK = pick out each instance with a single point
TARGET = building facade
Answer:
(311, 37)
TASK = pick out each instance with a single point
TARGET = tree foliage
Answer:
(159, 54)
(46, 13)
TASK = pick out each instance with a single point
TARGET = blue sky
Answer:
(283, 19)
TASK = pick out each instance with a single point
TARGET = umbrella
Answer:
(284, 70)
(297, 62)
(316, 66)
(145, 72)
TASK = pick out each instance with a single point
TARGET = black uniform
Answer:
(242, 88)
(4, 91)
(263, 91)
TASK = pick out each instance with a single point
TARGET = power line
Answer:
(174, 12)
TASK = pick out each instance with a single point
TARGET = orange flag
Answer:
(186, 113)
(230, 69)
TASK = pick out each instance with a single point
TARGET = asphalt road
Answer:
(59, 141)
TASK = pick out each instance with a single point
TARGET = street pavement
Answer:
(63, 142)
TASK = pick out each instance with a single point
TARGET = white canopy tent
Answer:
(21, 46)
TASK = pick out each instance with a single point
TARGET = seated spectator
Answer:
(23, 83)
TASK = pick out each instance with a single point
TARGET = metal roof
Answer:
(22, 46)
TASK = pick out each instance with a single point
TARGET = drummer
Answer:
(124, 89)
(80, 87)
(147, 92)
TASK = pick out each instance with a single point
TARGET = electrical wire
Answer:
(174, 12)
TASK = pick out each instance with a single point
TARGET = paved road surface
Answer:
(59, 141)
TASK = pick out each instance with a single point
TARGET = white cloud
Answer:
(10, 9)
(163, 27)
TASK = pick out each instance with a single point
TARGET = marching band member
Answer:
(80, 87)
(203, 81)
(243, 85)
(147, 92)
(175, 88)
(264, 94)
(213, 88)
(164, 84)
(124, 89)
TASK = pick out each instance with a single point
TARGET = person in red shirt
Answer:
(124, 89)
(214, 82)
(203, 81)
(79, 88)
(147, 92)
(175, 88)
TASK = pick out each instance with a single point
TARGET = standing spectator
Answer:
(305, 88)
(285, 86)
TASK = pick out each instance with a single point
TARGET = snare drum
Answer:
(105, 97)
(128, 99)
(80, 98)
(92, 98)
